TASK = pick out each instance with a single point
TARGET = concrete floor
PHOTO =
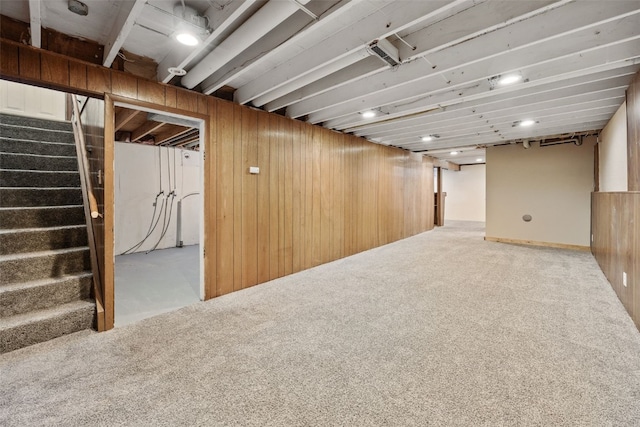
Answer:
(150, 284)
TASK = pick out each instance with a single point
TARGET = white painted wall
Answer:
(138, 182)
(613, 152)
(466, 195)
(31, 101)
(552, 184)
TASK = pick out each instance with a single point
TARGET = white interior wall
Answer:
(613, 152)
(466, 195)
(552, 184)
(138, 183)
(31, 101)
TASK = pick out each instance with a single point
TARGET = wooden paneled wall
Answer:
(633, 134)
(616, 244)
(320, 195)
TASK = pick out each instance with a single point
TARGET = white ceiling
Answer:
(576, 58)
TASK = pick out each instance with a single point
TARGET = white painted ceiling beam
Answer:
(511, 45)
(381, 22)
(360, 70)
(222, 22)
(540, 72)
(311, 77)
(473, 22)
(258, 25)
(504, 124)
(127, 15)
(497, 101)
(243, 70)
(35, 23)
(480, 121)
(592, 91)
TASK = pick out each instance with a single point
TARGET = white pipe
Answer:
(264, 20)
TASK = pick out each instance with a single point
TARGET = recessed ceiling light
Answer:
(427, 138)
(453, 153)
(509, 79)
(479, 159)
(526, 123)
(187, 39)
(368, 114)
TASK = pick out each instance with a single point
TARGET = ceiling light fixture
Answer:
(509, 79)
(427, 138)
(479, 160)
(369, 114)
(177, 71)
(454, 153)
(190, 26)
(526, 123)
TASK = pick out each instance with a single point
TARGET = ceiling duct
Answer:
(386, 51)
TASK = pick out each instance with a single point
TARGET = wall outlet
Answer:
(254, 170)
(624, 279)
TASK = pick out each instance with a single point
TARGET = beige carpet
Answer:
(439, 329)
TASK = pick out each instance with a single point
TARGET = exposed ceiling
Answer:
(310, 60)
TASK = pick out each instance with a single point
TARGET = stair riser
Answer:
(41, 163)
(46, 329)
(26, 197)
(36, 268)
(10, 119)
(48, 295)
(34, 134)
(36, 147)
(17, 178)
(42, 240)
(32, 218)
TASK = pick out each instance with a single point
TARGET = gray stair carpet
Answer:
(45, 285)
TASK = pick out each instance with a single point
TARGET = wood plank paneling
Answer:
(9, 63)
(77, 75)
(297, 177)
(186, 100)
(98, 80)
(151, 92)
(170, 99)
(54, 69)
(249, 239)
(633, 134)
(274, 206)
(211, 202)
(225, 219)
(29, 60)
(616, 230)
(237, 196)
(124, 85)
(264, 203)
(288, 195)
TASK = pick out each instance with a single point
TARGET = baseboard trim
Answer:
(535, 243)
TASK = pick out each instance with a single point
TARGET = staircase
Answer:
(45, 277)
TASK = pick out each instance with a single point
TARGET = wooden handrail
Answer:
(90, 208)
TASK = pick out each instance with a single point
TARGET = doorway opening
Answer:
(158, 212)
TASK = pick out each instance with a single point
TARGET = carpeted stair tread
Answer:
(37, 162)
(23, 240)
(29, 178)
(43, 264)
(29, 146)
(42, 325)
(32, 122)
(22, 297)
(29, 197)
(41, 216)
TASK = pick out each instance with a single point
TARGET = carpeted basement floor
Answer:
(439, 329)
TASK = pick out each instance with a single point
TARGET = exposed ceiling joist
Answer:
(125, 20)
(258, 25)
(125, 117)
(221, 21)
(378, 23)
(35, 22)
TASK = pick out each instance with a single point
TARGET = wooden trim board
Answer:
(535, 243)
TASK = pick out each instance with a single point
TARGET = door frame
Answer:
(110, 102)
